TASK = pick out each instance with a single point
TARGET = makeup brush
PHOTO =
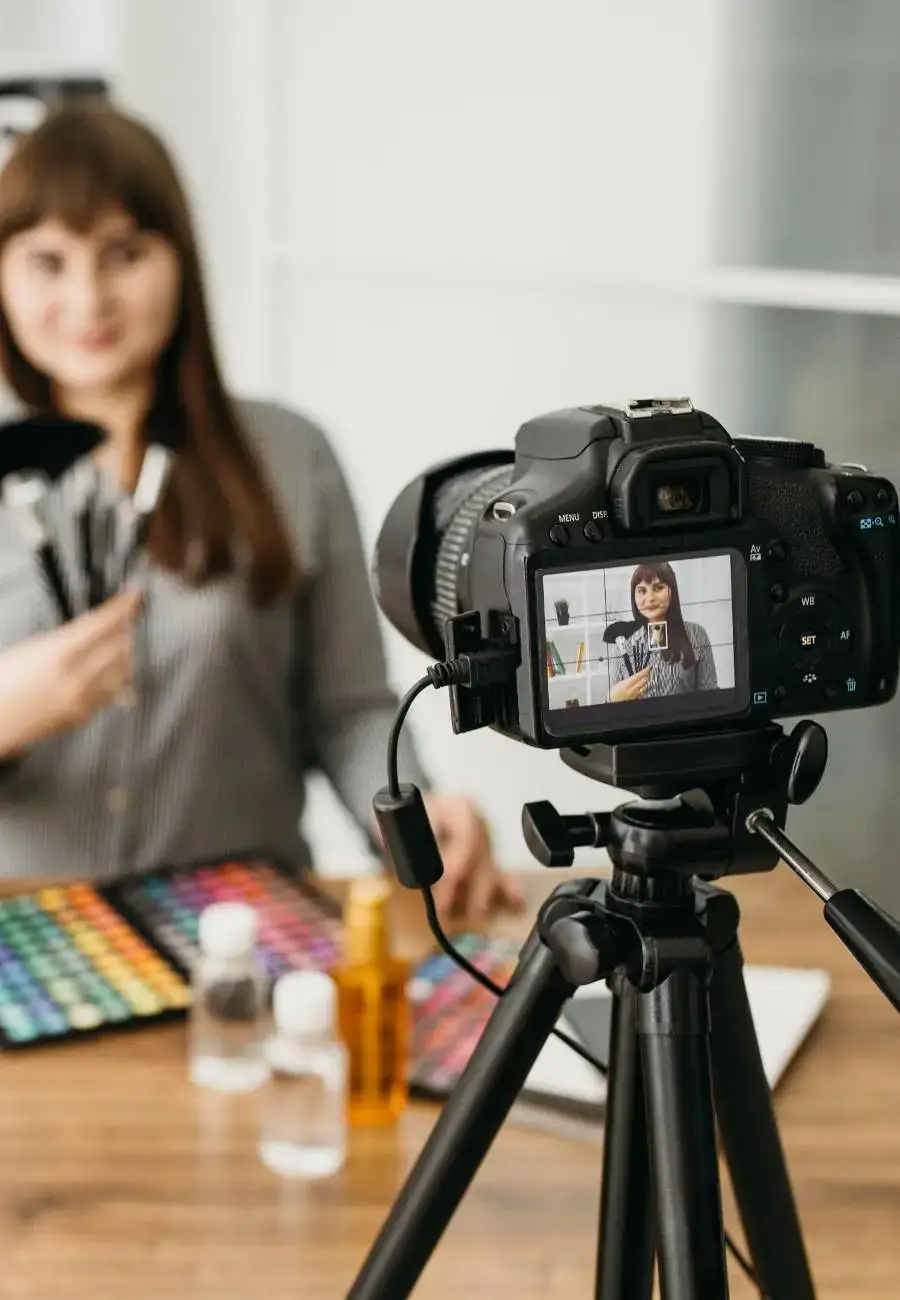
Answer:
(617, 634)
(155, 472)
(48, 443)
(85, 494)
(26, 495)
(34, 453)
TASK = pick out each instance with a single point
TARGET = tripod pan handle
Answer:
(872, 937)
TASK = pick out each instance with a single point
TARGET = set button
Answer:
(804, 642)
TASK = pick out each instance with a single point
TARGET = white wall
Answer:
(55, 36)
(474, 202)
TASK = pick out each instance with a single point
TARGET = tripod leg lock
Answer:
(591, 940)
(582, 937)
(662, 955)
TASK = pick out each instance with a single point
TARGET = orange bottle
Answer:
(373, 1007)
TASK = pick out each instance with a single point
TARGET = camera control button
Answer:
(840, 637)
(804, 641)
(883, 497)
(778, 591)
(779, 693)
(776, 552)
(559, 535)
(593, 532)
(855, 499)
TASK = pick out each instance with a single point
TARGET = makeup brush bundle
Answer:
(110, 534)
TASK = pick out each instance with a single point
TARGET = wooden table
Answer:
(118, 1181)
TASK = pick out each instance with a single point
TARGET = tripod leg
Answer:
(750, 1138)
(459, 1141)
(673, 1026)
(625, 1251)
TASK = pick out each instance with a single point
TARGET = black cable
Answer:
(485, 980)
(445, 674)
(394, 739)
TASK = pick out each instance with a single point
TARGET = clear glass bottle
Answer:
(229, 1013)
(303, 1122)
(373, 1007)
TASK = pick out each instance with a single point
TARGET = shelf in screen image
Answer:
(579, 690)
(569, 647)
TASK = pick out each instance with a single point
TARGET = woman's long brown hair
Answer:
(83, 161)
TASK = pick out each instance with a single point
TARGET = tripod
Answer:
(683, 1050)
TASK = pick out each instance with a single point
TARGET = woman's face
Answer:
(91, 311)
(652, 599)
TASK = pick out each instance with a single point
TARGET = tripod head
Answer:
(697, 792)
(713, 806)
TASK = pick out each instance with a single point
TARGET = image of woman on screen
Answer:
(664, 655)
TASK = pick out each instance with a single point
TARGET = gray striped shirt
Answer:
(667, 678)
(233, 704)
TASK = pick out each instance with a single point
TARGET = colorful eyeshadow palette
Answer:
(450, 1010)
(299, 926)
(69, 964)
(80, 959)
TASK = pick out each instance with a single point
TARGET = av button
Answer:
(804, 642)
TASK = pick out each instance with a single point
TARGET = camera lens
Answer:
(420, 562)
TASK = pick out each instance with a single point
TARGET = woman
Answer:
(253, 647)
(664, 655)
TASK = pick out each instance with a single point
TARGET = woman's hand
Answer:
(60, 679)
(630, 688)
(472, 887)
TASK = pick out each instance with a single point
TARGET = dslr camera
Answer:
(654, 574)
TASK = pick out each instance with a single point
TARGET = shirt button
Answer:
(117, 799)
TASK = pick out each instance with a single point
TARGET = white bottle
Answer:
(229, 1016)
(303, 1130)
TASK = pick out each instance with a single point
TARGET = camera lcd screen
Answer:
(647, 640)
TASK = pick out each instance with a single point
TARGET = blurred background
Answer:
(424, 224)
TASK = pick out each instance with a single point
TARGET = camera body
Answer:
(658, 575)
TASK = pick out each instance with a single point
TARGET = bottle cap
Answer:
(303, 1003)
(366, 920)
(228, 930)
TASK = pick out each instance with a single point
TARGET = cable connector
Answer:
(478, 670)
(408, 836)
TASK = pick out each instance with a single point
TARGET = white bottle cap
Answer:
(228, 930)
(303, 1003)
